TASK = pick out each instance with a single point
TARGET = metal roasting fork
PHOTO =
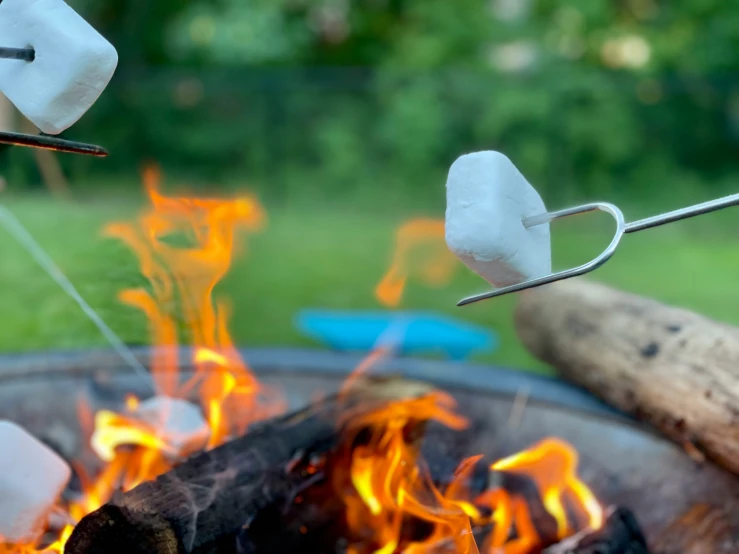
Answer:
(621, 229)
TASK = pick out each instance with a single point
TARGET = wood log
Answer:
(620, 534)
(235, 498)
(677, 370)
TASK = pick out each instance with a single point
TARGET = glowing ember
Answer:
(420, 251)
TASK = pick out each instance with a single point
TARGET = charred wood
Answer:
(620, 534)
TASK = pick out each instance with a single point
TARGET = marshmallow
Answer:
(487, 198)
(178, 422)
(176, 425)
(73, 62)
(32, 476)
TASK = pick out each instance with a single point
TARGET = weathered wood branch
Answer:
(672, 368)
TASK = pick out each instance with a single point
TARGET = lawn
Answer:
(330, 258)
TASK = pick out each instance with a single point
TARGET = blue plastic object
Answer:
(407, 332)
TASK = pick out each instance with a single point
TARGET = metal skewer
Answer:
(24, 54)
(46, 142)
(622, 228)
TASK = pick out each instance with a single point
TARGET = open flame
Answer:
(552, 465)
(186, 275)
(390, 484)
(420, 251)
(185, 247)
(391, 487)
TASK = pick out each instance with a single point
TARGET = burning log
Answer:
(667, 366)
(238, 497)
(620, 534)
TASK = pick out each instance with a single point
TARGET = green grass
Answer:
(330, 258)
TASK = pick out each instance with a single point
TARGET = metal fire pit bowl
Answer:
(684, 506)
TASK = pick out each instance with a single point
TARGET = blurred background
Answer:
(343, 117)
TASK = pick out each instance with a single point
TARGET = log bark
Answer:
(237, 498)
(675, 369)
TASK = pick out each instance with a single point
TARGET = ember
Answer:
(349, 468)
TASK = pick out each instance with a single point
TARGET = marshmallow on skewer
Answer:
(72, 66)
(487, 199)
(32, 476)
(178, 422)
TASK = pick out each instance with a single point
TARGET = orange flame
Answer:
(420, 249)
(185, 247)
(113, 430)
(186, 276)
(389, 487)
(552, 464)
(388, 484)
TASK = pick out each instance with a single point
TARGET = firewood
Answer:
(672, 368)
(235, 498)
(620, 534)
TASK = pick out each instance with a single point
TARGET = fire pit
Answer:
(213, 450)
(682, 506)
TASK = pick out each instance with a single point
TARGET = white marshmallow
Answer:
(487, 198)
(32, 476)
(73, 63)
(178, 422)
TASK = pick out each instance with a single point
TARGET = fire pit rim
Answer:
(612, 446)
(491, 379)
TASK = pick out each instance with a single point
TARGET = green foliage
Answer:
(588, 97)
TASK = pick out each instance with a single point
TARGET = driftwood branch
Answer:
(672, 368)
